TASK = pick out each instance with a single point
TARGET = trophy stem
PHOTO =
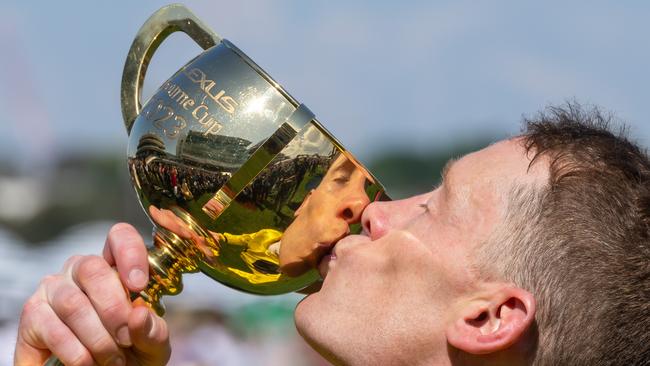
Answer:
(169, 257)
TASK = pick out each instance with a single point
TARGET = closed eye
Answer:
(342, 179)
(424, 206)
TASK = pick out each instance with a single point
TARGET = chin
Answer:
(313, 327)
(305, 313)
(311, 319)
(318, 327)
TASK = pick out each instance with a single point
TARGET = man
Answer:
(533, 250)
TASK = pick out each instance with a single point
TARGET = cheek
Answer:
(402, 269)
(395, 266)
(290, 237)
(449, 268)
(380, 296)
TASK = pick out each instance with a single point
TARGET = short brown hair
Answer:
(581, 244)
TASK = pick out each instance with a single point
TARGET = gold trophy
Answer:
(239, 179)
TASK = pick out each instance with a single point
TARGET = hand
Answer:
(83, 314)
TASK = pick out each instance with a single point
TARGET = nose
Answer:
(374, 220)
(352, 207)
(380, 217)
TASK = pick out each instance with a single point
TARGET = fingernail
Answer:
(116, 361)
(123, 336)
(149, 325)
(137, 278)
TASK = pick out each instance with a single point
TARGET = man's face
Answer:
(391, 293)
(324, 217)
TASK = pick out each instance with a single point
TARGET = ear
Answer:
(492, 322)
(304, 203)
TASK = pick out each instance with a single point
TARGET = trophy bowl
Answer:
(240, 180)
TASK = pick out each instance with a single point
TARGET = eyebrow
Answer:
(444, 182)
(445, 171)
(346, 165)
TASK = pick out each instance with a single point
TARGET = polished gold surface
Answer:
(240, 181)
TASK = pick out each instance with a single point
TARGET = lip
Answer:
(327, 256)
(324, 249)
(326, 261)
(320, 251)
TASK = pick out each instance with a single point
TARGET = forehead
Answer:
(477, 187)
(500, 165)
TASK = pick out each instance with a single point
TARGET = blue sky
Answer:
(413, 73)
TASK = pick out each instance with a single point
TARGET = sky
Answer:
(378, 74)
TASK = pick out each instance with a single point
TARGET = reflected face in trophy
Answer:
(324, 217)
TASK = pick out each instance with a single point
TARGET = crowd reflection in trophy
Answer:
(160, 174)
(316, 197)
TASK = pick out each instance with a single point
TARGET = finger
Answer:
(42, 333)
(170, 221)
(30, 348)
(75, 310)
(150, 336)
(71, 262)
(105, 294)
(176, 225)
(126, 250)
(108, 256)
(26, 354)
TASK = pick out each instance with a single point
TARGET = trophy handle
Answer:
(165, 21)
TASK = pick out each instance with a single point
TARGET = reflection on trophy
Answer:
(239, 179)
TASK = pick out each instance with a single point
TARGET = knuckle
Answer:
(71, 261)
(113, 311)
(30, 317)
(48, 285)
(131, 251)
(31, 306)
(57, 337)
(91, 267)
(69, 304)
(49, 280)
(102, 346)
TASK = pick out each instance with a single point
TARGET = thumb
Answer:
(150, 337)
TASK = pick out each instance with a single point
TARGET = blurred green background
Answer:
(404, 85)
